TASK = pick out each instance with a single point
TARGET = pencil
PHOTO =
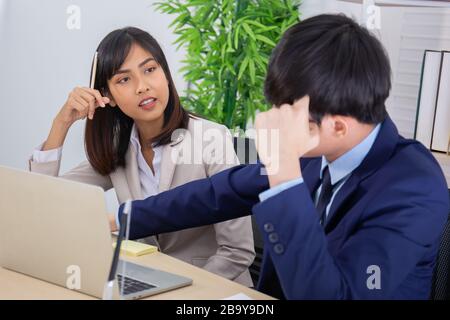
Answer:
(93, 71)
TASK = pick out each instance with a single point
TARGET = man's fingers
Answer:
(302, 104)
(259, 120)
(314, 140)
(260, 126)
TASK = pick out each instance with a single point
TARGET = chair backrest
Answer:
(246, 152)
(440, 288)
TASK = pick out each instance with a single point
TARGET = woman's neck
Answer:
(149, 130)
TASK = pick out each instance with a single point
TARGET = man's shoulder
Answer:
(410, 155)
(411, 172)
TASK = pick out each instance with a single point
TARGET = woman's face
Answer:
(140, 87)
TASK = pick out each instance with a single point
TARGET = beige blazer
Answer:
(224, 248)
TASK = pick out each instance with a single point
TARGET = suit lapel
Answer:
(343, 194)
(132, 173)
(310, 173)
(169, 159)
(168, 164)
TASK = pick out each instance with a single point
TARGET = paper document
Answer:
(239, 296)
(135, 249)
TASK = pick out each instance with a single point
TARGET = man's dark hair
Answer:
(341, 66)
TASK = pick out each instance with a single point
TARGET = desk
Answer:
(205, 285)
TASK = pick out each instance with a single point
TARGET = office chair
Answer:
(440, 287)
(246, 153)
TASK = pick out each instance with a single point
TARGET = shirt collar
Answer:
(349, 161)
(134, 139)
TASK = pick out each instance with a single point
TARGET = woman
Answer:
(137, 139)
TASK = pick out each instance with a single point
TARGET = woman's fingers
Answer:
(81, 108)
(86, 100)
(79, 104)
(91, 100)
(95, 100)
(97, 95)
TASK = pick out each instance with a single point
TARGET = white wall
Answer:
(42, 60)
(309, 8)
(407, 32)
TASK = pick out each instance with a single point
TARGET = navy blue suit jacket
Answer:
(381, 236)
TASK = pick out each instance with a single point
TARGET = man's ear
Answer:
(340, 126)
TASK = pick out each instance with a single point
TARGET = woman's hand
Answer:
(80, 104)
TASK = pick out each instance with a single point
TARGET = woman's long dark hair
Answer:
(107, 136)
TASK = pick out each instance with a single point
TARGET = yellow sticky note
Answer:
(135, 249)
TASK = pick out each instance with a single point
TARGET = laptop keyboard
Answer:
(132, 285)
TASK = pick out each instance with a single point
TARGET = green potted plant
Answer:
(228, 44)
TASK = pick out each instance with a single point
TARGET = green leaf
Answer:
(230, 68)
(223, 51)
(256, 23)
(265, 40)
(251, 68)
(260, 26)
(248, 30)
(260, 63)
(236, 36)
(243, 67)
(229, 43)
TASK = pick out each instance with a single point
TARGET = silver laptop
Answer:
(57, 230)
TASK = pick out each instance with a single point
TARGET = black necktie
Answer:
(325, 195)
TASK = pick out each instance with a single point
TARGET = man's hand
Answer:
(284, 136)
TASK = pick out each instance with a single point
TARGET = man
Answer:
(360, 217)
